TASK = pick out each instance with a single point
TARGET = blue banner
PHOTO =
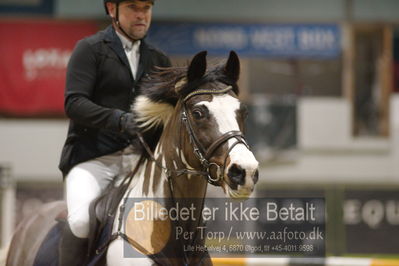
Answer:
(266, 40)
(40, 7)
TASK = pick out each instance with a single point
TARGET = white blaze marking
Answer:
(223, 108)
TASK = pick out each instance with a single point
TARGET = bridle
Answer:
(202, 154)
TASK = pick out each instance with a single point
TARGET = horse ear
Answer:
(197, 67)
(232, 67)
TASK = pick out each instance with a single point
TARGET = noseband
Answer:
(202, 154)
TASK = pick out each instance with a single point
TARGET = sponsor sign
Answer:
(33, 66)
(371, 215)
(274, 40)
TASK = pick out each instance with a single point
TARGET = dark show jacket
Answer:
(99, 88)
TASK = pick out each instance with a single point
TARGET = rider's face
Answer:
(134, 17)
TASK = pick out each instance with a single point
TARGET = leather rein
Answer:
(203, 155)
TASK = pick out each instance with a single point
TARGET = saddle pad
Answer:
(48, 252)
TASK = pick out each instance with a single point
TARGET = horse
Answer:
(201, 121)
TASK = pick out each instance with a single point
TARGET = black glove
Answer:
(127, 124)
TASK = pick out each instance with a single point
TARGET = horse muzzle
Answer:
(241, 179)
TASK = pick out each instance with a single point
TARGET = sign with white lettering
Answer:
(274, 40)
(34, 59)
(371, 215)
(225, 227)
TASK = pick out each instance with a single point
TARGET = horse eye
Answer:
(197, 114)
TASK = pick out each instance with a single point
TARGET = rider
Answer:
(102, 80)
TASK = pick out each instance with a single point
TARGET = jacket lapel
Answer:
(116, 45)
(144, 61)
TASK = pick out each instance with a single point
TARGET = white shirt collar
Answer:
(128, 44)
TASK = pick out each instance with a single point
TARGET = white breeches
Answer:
(87, 180)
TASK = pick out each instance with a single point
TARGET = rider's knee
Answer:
(79, 226)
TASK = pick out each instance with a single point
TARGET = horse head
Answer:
(201, 107)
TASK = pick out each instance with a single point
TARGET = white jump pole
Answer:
(8, 201)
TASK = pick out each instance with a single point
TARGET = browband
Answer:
(207, 91)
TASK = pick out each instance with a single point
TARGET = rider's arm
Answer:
(80, 83)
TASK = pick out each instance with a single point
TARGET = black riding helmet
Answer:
(120, 1)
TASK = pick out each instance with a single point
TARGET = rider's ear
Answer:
(111, 9)
(232, 67)
(197, 67)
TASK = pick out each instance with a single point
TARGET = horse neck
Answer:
(175, 152)
(172, 152)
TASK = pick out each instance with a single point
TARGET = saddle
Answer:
(102, 215)
(102, 212)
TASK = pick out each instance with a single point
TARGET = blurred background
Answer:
(320, 78)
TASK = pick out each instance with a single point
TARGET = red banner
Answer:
(34, 56)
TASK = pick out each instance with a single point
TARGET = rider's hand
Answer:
(128, 124)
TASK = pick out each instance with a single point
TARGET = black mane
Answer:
(159, 86)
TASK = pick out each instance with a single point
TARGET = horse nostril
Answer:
(236, 175)
(256, 177)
